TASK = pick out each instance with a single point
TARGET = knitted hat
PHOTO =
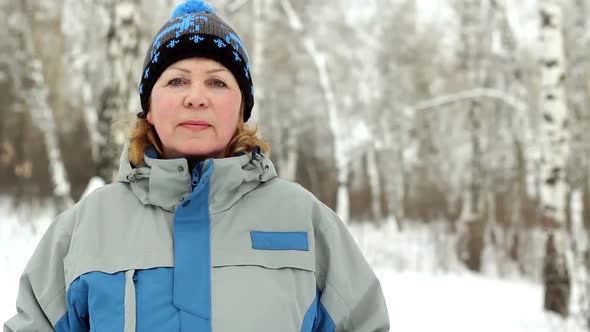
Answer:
(195, 30)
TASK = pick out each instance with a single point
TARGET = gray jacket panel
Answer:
(128, 226)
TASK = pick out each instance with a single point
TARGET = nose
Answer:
(196, 98)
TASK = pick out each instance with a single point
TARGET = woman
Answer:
(199, 233)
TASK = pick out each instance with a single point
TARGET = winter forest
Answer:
(452, 136)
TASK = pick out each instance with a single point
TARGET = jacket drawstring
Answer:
(130, 302)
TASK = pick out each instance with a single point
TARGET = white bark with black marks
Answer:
(554, 156)
(374, 184)
(35, 94)
(261, 8)
(336, 128)
(83, 23)
(334, 123)
(121, 96)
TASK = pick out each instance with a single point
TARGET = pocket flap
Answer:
(273, 250)
(279, 240)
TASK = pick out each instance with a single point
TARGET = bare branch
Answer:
(294, 21)
(514, 102)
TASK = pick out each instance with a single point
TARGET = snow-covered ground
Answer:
(421, 300)
(17, 243)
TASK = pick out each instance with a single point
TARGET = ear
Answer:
(149, 118)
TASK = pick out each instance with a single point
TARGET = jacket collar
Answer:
(165, 182)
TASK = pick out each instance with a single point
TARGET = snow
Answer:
(94, 183)
(428, 302)
(17, 243)
(423, 298)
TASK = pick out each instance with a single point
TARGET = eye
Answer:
(176, 81)
(218, 83)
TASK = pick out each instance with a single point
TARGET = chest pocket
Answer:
(263, 284)
(272, 250)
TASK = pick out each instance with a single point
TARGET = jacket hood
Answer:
(166, 182)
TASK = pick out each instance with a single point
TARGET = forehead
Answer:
(197, 64)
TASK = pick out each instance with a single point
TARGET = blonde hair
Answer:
(143, 135)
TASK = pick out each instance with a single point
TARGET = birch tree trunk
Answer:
(77, 29)
(471, 223)
(286, 136)
(342, 166)
(289, 169)
(473, 217)
(35, 94)
(519, 128)
(576, 41)
(260, 17)
(555, 150)
(42, 116)
(374, 184)
(120, 97)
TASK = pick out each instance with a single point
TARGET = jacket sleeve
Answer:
(350, 294)
(41, 300)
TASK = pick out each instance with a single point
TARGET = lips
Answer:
(195, 125)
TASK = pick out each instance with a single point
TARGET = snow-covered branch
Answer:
(466, 95)
(294, 20)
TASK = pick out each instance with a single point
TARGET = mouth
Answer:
(195, 125)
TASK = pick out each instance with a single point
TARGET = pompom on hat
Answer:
(190, 7)
(195, 30)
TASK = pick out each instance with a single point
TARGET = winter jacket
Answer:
(226, 247)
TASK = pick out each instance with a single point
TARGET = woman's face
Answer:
(195, 108)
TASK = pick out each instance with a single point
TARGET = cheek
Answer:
(230, 118)
(159, 109)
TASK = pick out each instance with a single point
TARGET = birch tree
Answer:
(514, 131)
(555, 149)
(283, 116)
(364, 92)
(84, 26)
(336, 128)
(34, 91)
(334, 123)
(120, 97)
(391, 121)
(474, 39)
(261, 9)
(342, 69)
(577, 42)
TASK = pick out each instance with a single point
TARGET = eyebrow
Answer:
(180, 69)
(210, 71)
